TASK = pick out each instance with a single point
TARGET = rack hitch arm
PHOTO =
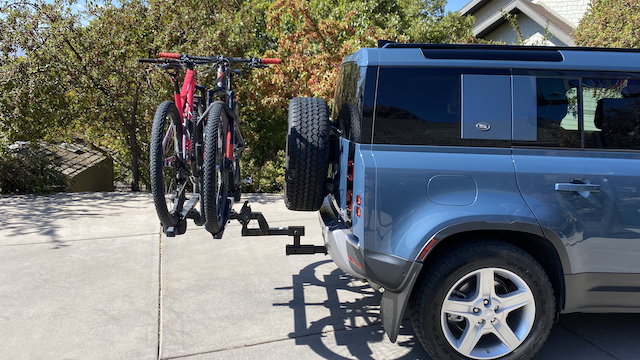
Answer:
(246, 215)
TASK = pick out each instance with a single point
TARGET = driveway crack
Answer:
(159, 348)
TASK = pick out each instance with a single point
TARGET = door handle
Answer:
(577, 187)
(581, 188)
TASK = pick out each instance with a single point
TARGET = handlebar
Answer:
(167, 55)
(163, 57)
(270, 61)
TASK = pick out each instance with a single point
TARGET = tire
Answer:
(454, 277)
(161, 175)
(216, 168)
(308, 149)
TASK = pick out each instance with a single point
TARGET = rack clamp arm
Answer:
(246, 215)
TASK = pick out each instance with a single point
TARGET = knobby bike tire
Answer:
(215, 185)
(165, 113)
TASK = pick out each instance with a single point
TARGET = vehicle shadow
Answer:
(44, 217)
(353, 328)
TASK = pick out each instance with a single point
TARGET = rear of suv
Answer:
(484, 189)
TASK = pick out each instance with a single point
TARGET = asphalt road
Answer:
(86, 276)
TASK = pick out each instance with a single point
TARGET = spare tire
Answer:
(307, 163)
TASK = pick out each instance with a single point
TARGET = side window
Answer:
(418, 107)
(348, 103)
(611, 113)
(557, 112)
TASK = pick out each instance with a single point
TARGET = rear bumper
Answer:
(348, 252)
(340, 242)
(395, 274)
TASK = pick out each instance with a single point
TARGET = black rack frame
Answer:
(246, 215)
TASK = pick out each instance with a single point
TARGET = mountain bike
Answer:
(196, 144)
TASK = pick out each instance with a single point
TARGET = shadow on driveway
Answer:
(32, 218)
(356, 327)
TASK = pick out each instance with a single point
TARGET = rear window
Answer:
(353, 102)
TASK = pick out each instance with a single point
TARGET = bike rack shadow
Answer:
(354, 324)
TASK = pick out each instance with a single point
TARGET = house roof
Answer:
(557, 26)
(69, 159)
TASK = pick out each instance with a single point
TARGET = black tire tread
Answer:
(307, 154)
(156, 161)
(458, 256)
(213, 222)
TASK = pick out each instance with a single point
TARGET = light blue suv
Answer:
(484, 189)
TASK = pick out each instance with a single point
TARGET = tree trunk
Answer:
(133, 143)
(135, 157)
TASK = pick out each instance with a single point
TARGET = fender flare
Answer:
(394, 303)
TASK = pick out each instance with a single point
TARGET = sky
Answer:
(455, 5)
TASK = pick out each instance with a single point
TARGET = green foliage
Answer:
(610, 23)
(28, 171)
(78, 76)
(268, 177)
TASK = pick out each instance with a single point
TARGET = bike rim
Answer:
(488, 313)
(220, 171)
(171, 166)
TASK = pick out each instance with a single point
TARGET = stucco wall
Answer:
(570, 10)
(531, 32)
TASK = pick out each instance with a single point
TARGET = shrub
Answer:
(28, 170)
(268, 177)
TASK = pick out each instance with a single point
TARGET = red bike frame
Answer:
(184, 103)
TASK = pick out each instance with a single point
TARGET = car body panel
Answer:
(416, 196)
(600, 230)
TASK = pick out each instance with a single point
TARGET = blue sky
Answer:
(455, 5)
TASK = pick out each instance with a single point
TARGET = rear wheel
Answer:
(483, 300)
(216, 169)
(167, 170)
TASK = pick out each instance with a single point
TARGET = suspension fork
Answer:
(183, 98)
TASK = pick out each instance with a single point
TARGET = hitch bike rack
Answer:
(244, 217)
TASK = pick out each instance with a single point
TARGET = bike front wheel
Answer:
(167, 172)
(215, 188)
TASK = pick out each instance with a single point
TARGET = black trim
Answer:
(494, 54)
(602, 292)
(504, 47)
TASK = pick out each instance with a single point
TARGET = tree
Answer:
(71, 71)
(610, 23)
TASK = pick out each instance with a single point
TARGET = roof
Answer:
(570, 58)
(536, 12)
(73, 159)
(70, 159)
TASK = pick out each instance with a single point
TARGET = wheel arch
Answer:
(549, 253)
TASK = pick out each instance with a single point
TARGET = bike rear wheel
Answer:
(167, 171)
(217, 206)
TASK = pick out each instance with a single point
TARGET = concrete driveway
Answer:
(91, 276)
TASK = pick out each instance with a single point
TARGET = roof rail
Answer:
(391, 44)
